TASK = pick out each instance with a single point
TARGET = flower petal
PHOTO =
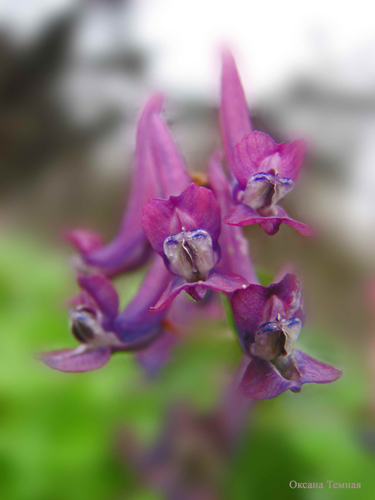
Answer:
(262, 381)
(175, 286)
(234, 115)
(196, 207)
(169, 163)
(136, 325)
(218, 279)
(222, 280)
(291, 158)
(248, 308)
(127, 251)
(242, 215)
(258, 152)
(76, 360)
(249, 154)
(84, 240)
(301, 227)
(315, 371)
(102, 292)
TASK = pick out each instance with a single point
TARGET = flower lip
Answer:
(265, 189)
(190, 254)
(287, 367)
(275, 339)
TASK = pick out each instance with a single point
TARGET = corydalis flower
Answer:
(184, 230)
(265, 171)
(269, 321)
(130, 248)
(101, 330)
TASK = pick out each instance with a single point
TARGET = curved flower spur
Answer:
(269, 321)
(262, 171)
(130, 248)
(102, 330)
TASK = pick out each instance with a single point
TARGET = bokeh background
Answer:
(73, 77)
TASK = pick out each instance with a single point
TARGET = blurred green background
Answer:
(58, 434)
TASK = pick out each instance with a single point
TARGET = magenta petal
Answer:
(79, 300)
(248, 307)
(74, 360)
(102, 291)
(234, 115)
(136, 325)
(218, 279)
(235, 254)
(155, 281)
(221, 280)
(291, 159)
(249, 154)
(170, 166)
(242, 215)
(159, 221)
(84, 240)
(301, 227)
(175, 286)
(315, 371)
(196, 207)
(124, 253)
(262, 381)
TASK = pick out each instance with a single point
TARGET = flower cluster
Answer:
(192, 236)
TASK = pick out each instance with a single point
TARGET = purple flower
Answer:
(184, 230)
(269, 321)
(130, 248)
(265, 171)
(101, 330)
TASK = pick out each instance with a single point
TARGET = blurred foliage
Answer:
(58, 431)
